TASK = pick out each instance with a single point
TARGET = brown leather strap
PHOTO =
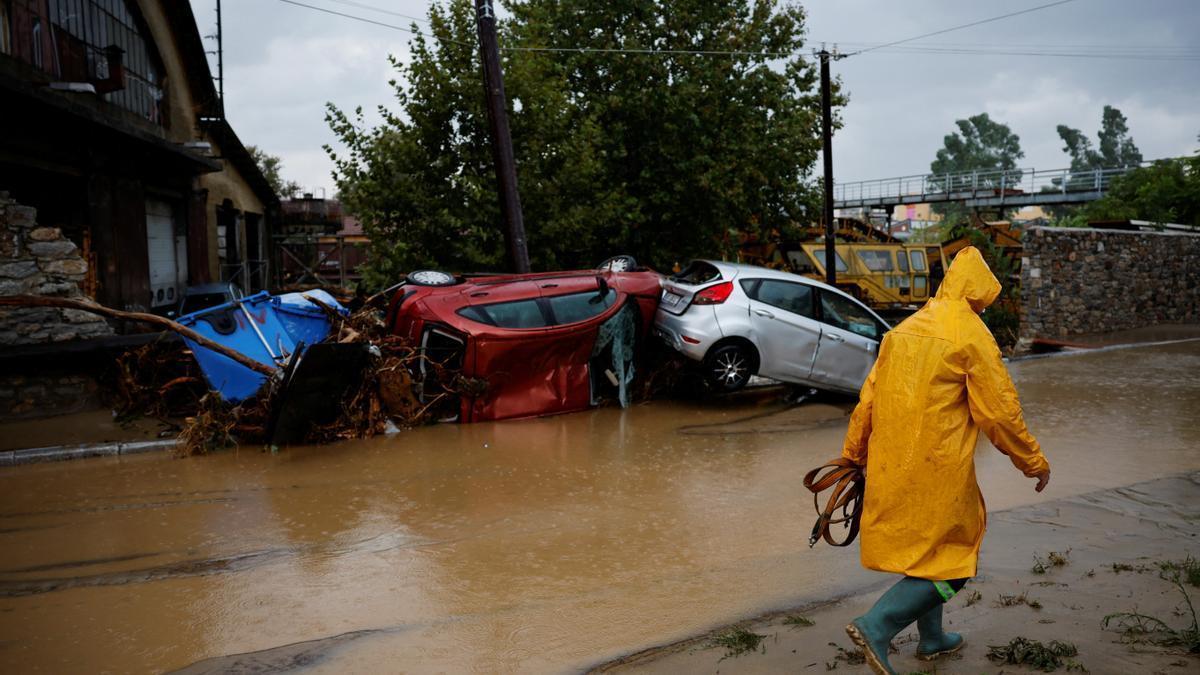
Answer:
(848, 482)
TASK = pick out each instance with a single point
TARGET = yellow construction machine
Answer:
(871, 265)
(884, 275)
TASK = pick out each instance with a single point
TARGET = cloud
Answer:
(283, 63)
(289, 88)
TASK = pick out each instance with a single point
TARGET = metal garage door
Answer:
(168, 254)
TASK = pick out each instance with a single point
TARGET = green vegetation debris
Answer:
(1047, 658)
(1188, 569)
(1117, 568)
(851, 657)
(739, 641)
(1138, 628)
(1014, 600)
(797, 621)
(1053, 559)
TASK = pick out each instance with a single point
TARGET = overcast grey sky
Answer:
(282, 63)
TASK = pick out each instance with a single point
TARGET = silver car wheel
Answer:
(730, 368)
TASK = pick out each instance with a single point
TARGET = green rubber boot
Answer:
(934, 641)
(901, 605)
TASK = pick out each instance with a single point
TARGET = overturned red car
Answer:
(545, 343)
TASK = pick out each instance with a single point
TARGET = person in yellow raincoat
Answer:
(937, 382)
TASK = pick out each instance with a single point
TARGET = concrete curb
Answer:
(65, 452)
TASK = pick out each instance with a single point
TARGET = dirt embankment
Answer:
(1050, 573)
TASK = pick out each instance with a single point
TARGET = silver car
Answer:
(742, 320)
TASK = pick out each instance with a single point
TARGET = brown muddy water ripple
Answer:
(533, 546)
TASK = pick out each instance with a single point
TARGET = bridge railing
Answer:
(972, 184)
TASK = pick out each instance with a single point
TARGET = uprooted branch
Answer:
(142, 317)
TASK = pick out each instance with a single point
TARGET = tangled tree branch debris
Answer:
(140, 317)
(158, 380)
(162, 380)
(1136, 627)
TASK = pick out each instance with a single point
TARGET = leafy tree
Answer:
(980, 145)
(663, 156)
(271, 166)
(1117, 149)
(1167, 191)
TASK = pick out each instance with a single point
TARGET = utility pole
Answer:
(827, 157)
(220, 64)
(502, 150)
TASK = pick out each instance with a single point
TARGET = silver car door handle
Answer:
(763, 312)
(835, 338)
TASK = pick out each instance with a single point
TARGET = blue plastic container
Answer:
(251, 326)
(304, 321)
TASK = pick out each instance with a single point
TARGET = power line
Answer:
(1035, 49)
(372, 8)
(1015, 51)
(965, 25)
(1057, 45)
(663, 52)
(1136, 53)
(355, 18)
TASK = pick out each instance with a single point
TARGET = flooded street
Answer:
(530, 546)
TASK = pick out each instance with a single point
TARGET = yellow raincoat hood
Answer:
(970, 279)
(938, 381)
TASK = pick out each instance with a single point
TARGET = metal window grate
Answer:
(83, 29)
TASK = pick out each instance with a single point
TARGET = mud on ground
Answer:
(1050, 571)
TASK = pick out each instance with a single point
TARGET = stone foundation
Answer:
(40, 261)
(24, 396)
(1077, 281)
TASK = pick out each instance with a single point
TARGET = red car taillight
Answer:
(714, 295)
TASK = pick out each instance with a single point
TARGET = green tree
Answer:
(980, 145)
(271, 167)
(1167, 191)
(1116, 150)
(664, 156)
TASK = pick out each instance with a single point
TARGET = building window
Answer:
(5, 22)
(36, 41)
(85, 31)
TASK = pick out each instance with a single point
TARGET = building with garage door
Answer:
(111, 127)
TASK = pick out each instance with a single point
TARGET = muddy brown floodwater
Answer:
(529, 546)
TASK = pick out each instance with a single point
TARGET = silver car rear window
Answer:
(697, 272)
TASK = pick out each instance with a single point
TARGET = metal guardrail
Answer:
(992, 185)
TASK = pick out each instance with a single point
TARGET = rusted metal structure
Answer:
(317, 243)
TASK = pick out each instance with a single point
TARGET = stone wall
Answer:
(46, 394)
(1077, 281)
(40, 261)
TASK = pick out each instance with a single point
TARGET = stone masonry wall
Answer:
(40, 261)
(1077, 280)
